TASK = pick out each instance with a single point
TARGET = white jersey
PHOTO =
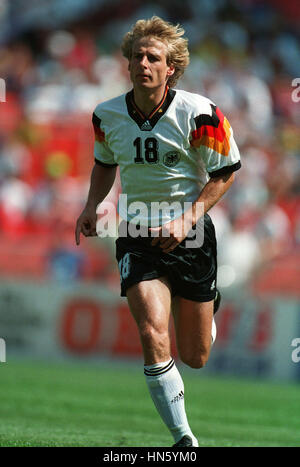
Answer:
(168, 156)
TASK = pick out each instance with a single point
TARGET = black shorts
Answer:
(192, 272)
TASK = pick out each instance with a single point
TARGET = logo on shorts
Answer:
(213, 285)
(171, 158)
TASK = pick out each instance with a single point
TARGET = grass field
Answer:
(82, 405)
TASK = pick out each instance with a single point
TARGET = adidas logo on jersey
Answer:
(146, 126)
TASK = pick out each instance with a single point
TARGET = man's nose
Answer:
(144, 61)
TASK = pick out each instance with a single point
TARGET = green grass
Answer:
(44, 404)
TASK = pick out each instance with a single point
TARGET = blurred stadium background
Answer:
(58, 59)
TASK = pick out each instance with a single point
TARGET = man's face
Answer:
(148, 64)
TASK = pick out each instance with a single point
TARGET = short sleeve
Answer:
(213, 138)
(103, 155)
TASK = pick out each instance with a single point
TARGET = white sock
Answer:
(167, 391)
(213, 332)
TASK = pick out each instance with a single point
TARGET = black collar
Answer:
(148, 123)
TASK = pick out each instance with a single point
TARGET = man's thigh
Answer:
(193, 324)
(150, 301)
(150, 304)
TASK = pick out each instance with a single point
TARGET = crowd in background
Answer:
(244, 56)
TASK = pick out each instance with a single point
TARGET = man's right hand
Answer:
(86, 224)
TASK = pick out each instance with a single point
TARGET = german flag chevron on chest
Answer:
(212, 131)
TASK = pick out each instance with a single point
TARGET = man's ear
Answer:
(171, 70)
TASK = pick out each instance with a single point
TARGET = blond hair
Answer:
(169, 34)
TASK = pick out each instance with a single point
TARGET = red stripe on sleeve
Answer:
(99, 134)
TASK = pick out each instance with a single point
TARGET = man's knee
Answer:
(153, 335)
(155, 343)
(195, 360)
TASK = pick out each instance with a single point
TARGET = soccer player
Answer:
(175, 147)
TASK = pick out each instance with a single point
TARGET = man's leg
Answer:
(150, 305)
(193, 324)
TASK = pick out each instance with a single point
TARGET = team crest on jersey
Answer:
(171, 158)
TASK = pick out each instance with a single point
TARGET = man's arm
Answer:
(102, 179)
(211, 193)
(170, 236)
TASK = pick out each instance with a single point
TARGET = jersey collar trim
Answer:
(148, 123)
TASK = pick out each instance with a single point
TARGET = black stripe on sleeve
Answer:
(96, 120)
(225, 170)
(205, 119)
(104, 164)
